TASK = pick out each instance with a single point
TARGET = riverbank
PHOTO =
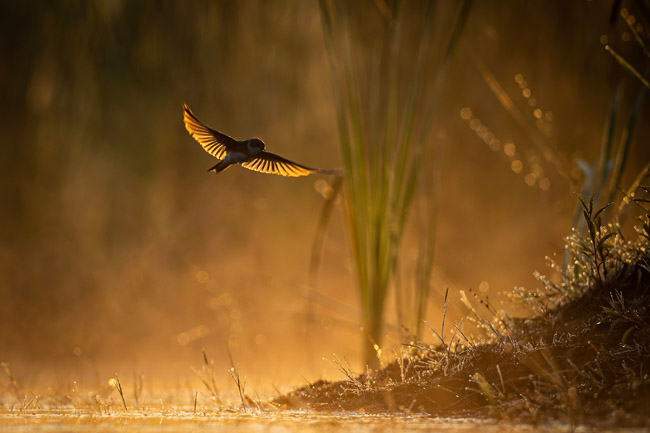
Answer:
(584, 359)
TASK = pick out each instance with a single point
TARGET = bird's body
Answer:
(238, 153)
(249, 153)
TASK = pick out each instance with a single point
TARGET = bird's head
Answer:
(255, 145)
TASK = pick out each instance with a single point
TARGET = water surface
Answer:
(240, 421)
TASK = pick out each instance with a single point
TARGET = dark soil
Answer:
(576, 363)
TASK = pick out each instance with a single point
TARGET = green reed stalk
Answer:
(383, 137)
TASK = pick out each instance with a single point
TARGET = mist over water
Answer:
(118, 252)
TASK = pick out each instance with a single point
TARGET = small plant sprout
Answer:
(206, 376)
(241, 384)
(115, 383)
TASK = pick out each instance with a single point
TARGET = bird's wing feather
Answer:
(266, 162)
(214, 142)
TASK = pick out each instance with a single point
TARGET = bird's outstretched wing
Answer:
(266, 162)
(214, 142)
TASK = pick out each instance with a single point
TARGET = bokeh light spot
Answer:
(202, 277)
(544, 184)
(193, 334)
(530, 179)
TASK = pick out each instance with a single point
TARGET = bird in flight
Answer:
(251, 153)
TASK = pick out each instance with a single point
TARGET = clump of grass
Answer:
(587, 267)
(386, 98)
(600, 256)
(354, 384)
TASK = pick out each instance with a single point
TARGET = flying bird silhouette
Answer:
(250, 154)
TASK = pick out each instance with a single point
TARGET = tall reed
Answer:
(388, 60)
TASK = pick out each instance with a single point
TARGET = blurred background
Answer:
(118, 252)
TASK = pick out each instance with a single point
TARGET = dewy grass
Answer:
(385, 112)
(206, 376)
(115, 383)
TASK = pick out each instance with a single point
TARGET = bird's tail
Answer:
(219, 167)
